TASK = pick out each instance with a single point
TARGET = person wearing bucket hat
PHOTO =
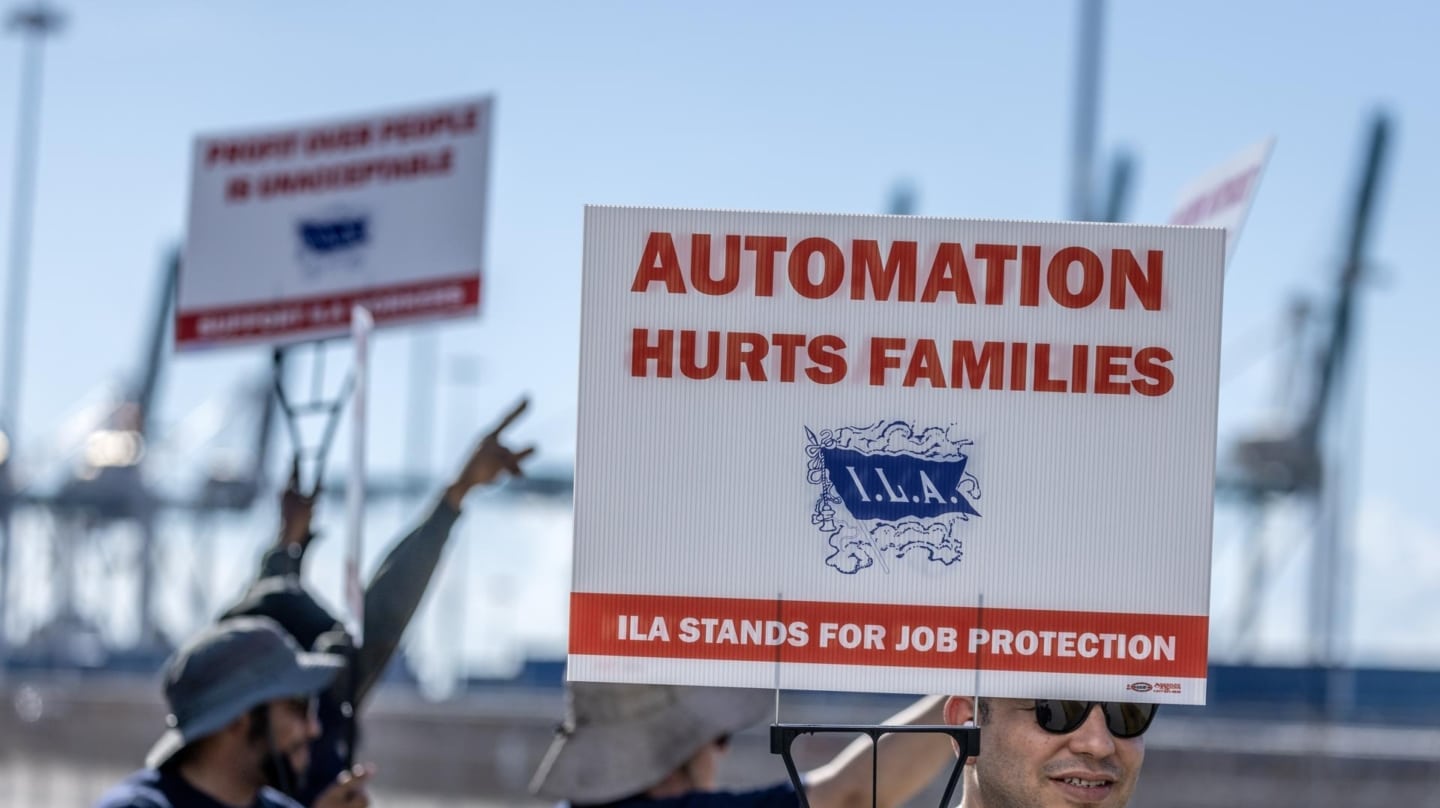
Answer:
(391, 598)
(241, 707)
(658, 746)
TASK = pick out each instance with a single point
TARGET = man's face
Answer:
(1024, 766)
(293, 725)
(698, 774)
(704, 767)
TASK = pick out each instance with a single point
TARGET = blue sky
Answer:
(801, 106)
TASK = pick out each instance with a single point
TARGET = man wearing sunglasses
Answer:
(1050, 753)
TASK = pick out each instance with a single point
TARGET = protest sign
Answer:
(1222, 196)
(292, 227)
(897, 454)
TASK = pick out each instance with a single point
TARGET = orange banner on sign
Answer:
(909, 636)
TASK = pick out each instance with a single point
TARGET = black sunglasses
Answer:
(1124, 720)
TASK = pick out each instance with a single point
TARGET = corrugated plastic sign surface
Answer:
(902, 454)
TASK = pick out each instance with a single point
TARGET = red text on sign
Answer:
(1020, 366)
(983, 274)
(736, 355)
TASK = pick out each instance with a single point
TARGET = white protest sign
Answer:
(291, 227)
(1223, 195)
(812, 446)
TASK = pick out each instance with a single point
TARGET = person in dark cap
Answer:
(391, 598)
(241, 696)
(659, 746)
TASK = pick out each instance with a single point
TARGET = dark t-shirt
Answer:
(779, 796)
(149, 788)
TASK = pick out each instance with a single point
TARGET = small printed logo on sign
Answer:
(1169, 688)
(887, 490)
(335, 240)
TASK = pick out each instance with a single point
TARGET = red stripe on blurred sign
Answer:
(326, 313)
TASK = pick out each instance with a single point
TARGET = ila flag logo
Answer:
(333, 240)
(899, 490)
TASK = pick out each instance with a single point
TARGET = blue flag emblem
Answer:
(892, 487)
(333, 240)
(890, 491)
(335, 235)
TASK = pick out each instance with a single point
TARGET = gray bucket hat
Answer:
(226, 670)
(620, 739)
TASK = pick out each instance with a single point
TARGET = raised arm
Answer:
(296, 512)
(489, 461)
(908, 762)
(399, 584)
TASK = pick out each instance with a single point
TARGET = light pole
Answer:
(1087, 101)
(33, 22)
